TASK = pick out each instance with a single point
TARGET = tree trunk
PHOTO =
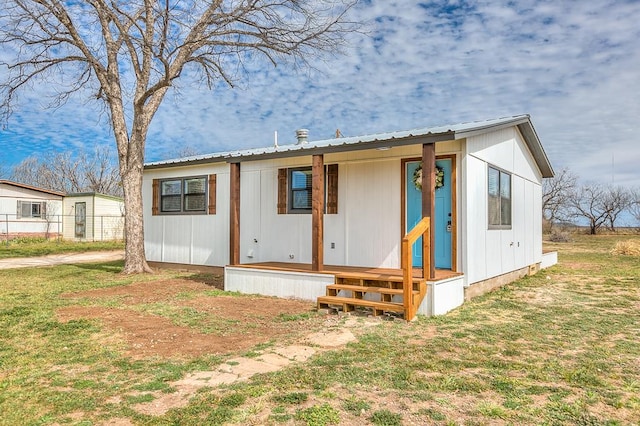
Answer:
(135, 260)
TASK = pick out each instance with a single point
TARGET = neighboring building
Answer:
(93, 217)
(27, 211)
(259, 214)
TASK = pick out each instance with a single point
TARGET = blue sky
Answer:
(573, 65)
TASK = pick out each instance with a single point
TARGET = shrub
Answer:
(628, 248)
(557, 236)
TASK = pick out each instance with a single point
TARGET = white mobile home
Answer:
(27, 211)
(93, 217)
(408, 221)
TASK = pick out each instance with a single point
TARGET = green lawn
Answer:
(559, 348)
(30, 247)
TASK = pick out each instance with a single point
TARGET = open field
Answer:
(82, 344)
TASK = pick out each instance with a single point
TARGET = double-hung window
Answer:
(183, 195)
(499, 192)
(295, 190)
(300, 190)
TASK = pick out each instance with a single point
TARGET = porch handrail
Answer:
(406, 259)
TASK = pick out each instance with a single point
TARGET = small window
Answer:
(31, 209)
(184, 195)
(499, 192)
(300, 190)
(295, 193)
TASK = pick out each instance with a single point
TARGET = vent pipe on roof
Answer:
(302, 135)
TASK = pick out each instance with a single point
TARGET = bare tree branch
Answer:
(133, 51)
(71, 173)
(599, 205)
(634, 206)
(555, 196)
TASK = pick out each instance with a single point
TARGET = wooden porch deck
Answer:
(370, 273)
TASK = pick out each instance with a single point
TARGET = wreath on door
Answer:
(417, 177)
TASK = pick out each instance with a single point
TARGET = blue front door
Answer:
(443, 215)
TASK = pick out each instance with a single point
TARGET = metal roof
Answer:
(380, 140)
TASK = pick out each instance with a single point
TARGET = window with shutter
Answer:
(155, 209)
(332, 189)
(212, 194)
(187, 195)
(294, 190)
(282, 191)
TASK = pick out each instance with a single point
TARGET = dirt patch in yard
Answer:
(151, 318)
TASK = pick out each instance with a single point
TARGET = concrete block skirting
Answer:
(482, 287)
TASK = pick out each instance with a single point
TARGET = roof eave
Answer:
(524, 125)
(338, 148)
(32, 188)
(310, 149)
(533, 142)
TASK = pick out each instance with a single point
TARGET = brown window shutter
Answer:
(332, 189)
(282, 191)
(212, 194)
(156, 197)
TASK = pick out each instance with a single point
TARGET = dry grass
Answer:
(627, 248)
(557, 348)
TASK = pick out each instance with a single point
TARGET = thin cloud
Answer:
(572, 65)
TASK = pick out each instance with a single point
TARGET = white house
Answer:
(27, 211)
(342, 221)
(93, 217)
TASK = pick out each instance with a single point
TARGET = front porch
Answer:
(379, 289)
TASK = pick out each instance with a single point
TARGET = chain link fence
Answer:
(66, 227)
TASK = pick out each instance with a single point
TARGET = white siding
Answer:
(104, 217)
(365, 232)
(191, 239)
(69, 218)
(109, 222)
(372, 214)
(9, 221)
(474, 217)
(489, 253)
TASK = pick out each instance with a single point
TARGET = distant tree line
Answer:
(69, 172)
(566, 200)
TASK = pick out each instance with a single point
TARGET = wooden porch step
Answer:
(350, 303)
(335, 288)
(393, 283)
(373, 277)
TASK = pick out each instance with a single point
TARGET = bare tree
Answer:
(634, 204)
(599, 205)
(586, 202)
(556, 192)
(617, 200)
(131, 52)
(66, 172)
